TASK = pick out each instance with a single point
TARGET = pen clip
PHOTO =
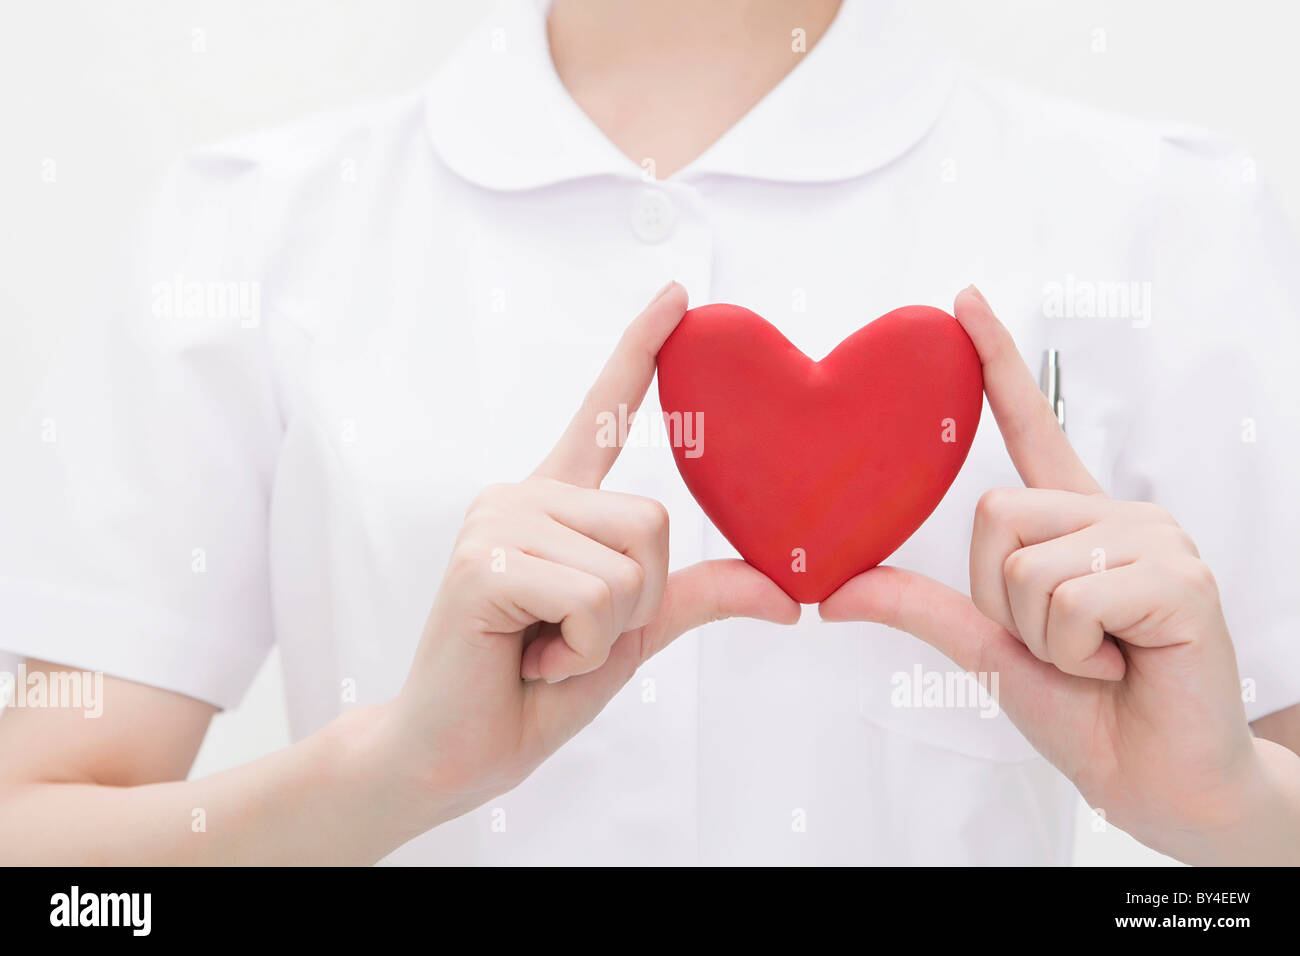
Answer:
(1049, 380)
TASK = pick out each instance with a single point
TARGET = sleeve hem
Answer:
(131, 640)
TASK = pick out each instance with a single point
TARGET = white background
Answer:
(107, 93)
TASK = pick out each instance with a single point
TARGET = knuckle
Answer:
(1198, 579)
(1180, 540)
(492, 498)
(1018, 569)
(478, 522)
(1151, 513)
(628, 577)
(995, 506)
(1069, 600)
(596, 598)
(650, 516)
(467, 561)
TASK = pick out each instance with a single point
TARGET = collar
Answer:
(499, 116)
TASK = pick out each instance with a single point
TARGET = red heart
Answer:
(842, 458)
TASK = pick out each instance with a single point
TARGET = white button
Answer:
(653, 216)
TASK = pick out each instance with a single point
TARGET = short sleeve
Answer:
(133, 530)
(1215, 437)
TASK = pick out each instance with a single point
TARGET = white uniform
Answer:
(341, 329)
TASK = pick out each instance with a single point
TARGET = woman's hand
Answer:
(1105, 628)
(550, 579)
(555, 593)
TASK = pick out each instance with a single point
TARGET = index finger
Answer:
(1038, 447)
(581, 457)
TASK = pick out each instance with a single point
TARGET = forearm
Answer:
(328, 799)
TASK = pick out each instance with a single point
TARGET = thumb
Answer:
(704, 592)
(944, 618)
(713, 591)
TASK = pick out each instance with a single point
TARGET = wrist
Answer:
(1270, 831)
(1257, 820)
(374, 775)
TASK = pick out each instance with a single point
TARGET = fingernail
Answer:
(977, 293)
(664, 291)
(556, 681)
